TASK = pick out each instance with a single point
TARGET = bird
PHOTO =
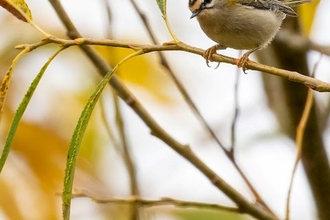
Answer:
(241, 24)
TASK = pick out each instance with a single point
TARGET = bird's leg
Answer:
(242, 61)
(209, 52)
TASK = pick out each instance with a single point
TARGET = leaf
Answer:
(307, 13)
(162, 6)
(78, 135)
(21, 109)
(4, 86)
(18, 8)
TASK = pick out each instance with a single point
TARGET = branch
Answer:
(159, 202)
(299, 142)
(298, 42)
(310, 82)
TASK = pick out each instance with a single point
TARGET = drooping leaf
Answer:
(18, 8)
(162, 6)
(4, 86)
(20, 111)
(78, 135)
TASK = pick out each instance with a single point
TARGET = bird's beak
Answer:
(195, 13)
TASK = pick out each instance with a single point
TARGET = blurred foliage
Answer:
(307, 13)
(197, 214)
(141, 71)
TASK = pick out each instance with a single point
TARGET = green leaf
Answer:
(162, 6)
(18, 8)
(78, 135)
(21, 109)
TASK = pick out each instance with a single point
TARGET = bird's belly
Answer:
(251, 29)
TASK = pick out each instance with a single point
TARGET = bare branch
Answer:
(158, 202)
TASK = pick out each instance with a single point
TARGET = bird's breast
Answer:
(240, 27)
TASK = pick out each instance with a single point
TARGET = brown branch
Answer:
(152, 203)
(310, 82)
(127, 156)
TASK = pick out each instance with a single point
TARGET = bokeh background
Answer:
(32, 179)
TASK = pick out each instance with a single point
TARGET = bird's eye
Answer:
(208, 3)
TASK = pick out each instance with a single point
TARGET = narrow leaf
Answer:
(18, 8)
(6, 80)
(78, 135)
(21, 109)
(162, 6)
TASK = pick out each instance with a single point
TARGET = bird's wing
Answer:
(276, 5)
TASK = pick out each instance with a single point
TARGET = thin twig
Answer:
(300, 136)
(125, 151)
(107, 126)
(231, 152)
(152, 203)
(128, 160)
(236, 113)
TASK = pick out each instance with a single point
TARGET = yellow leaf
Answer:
(307, 14)
(18, 8)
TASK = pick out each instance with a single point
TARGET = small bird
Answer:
(241, 24)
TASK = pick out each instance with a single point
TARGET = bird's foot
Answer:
(242, 62)
(209, 53)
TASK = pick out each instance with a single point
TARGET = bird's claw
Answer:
(209, 53)
(242, 62)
